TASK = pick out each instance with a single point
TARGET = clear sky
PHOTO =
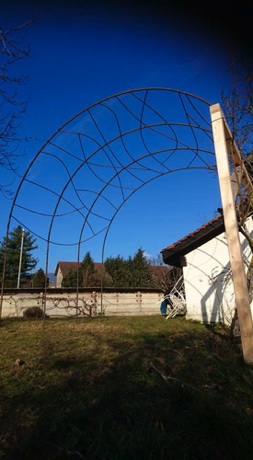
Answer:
(82, 52)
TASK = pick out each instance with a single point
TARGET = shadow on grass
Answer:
(103, 401)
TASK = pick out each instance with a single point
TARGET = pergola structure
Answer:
(95, 162)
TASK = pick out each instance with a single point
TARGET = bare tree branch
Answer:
(13, 48)
(238, 105)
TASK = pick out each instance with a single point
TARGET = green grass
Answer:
(123, 388)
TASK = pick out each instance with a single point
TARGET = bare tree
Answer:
(162, 276)
(238, 104)
(13, 49)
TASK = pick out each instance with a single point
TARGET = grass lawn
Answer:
(123, 388)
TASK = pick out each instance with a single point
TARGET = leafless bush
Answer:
(34, 312)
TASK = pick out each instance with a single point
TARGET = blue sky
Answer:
(82, 52)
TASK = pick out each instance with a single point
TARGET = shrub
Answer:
(34, 312)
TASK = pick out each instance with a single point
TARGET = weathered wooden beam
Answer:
(225, 146)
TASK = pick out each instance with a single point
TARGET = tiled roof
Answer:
(66, 266)
(174, 254)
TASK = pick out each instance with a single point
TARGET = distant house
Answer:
(63, 268)
(203, 255)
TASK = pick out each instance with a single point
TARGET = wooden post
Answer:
(222, 142)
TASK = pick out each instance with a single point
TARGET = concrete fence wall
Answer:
(60, 302)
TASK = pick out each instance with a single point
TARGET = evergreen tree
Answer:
(39, 279)
(133, 272)
(102, 277)
(86, 276)
(12, 247)
(118, 270)
(88, 271)
(140, 272)
(70, 280)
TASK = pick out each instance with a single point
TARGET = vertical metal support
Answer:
(20, 257)
(94, 299)
(221, 136)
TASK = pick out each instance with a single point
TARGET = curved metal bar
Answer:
(118, 166)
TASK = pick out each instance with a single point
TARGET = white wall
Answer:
(208, 280)
(59, 278)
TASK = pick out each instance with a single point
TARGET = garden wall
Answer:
(66, 302)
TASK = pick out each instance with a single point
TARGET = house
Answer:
(204, 257)
(63, 268)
